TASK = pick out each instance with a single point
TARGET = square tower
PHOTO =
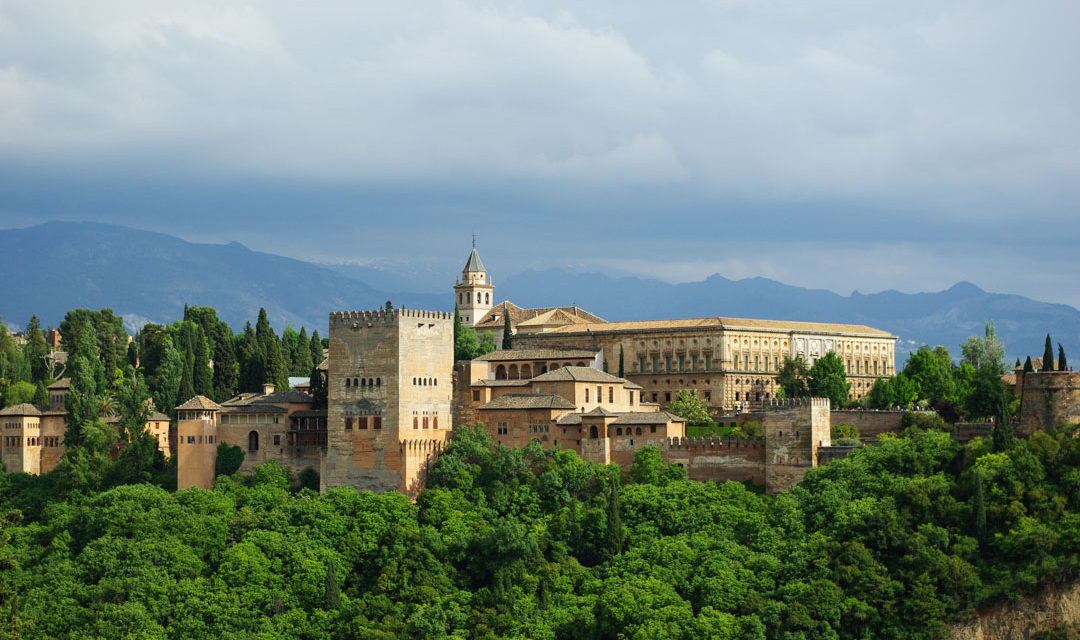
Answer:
(794, 430)
(389, 393)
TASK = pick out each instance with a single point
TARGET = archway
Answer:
(253, 441)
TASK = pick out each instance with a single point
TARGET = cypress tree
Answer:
(316, 349)
(622, 361)
(333, 592)
(36, 350)
(979, 508)
(1002, 434)
(302, 363)
(318, 389)
(457, 324)
(1028, 367)
(275, 370)
(41, 396)
(249, 361)
(204, 378)
(1048, 356)
(1017, 365)
(133, 354)
(187, 377)
(614, 542)
(224, 376)
(508, 334)
(1062, 365)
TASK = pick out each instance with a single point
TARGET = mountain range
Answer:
(147, 276)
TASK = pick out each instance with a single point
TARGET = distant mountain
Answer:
(145, 276)
(945, 317)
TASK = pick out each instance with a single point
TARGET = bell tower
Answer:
(473, 293)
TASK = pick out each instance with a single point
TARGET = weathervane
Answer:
(474, 240)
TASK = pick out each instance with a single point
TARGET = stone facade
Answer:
(474, 291)
(20, 446)
(794, 430)
(1049, 399)
(389, 397)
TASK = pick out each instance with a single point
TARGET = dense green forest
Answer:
(197, 355)
(892, 542)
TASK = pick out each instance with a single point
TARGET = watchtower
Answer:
(388, 397)
(794, 430)
(473, 293)
(196, 442)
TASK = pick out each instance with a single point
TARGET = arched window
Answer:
(587, 395)
(638, 431)
(425, 422)
(487, 298)
(500, 372)
(370, 382)
(415, 422)
(477, 297)
(435, 422)
(363, 382)
(593, 433)
(618, 431)
(736, 395)
(348, 382)
(513, 372)
(253, 441)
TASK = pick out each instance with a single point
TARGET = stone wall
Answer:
(718, 459)
(794, 430)
(1049, 399)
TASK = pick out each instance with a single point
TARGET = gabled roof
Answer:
(528, 401)
(599, 411)
(623, 418)
(200, 403)
(23, 409)
(493, 319)
(62, 383)
(577, 374)
(730, 324)
(253, 408)
(501, 383)
(474, 263)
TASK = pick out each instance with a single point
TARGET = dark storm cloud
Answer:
(833, 144)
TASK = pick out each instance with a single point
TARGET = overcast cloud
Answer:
(837, 144)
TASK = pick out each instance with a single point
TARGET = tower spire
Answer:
(474, 240)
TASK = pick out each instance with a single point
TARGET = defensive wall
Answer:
(1049, 399)
(869, 423)
(715, 459)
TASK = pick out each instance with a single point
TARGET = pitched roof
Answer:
(577, 374)
(599, 411)
(200, 402)
(288, 396)
(22, 409)
(159, 416)
(528, 401)
(253, 408)
(62, 383)
(474, 263)
(308, 413)
(624, 418)
(505, 355)
(501, 383)
(493, 319)
(730, 324)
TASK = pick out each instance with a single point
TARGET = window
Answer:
(586, 394)
(667, 396)
(277, 440)
(599, 393)
(415, 422)
(378, 422)
(425, 422)
(348, 424)
(191, 439)
(362, 422)
(348, 382)
(611, 394)
(476, 395)
(253, 441)
(435, 422)
(593, 434)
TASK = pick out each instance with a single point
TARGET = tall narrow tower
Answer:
(474, 291)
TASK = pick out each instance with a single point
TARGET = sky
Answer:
(838, 144)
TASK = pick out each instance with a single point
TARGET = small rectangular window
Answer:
(476, 395)
(348, 424)
(378, 422)
(277, 440)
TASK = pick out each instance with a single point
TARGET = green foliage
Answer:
(1062, 364)
(487, 343)
(828, 380)
(622, 361)
(18, 393)
(36, 349)
(844, 430)
(793, 377)
(1048, 355)
(1028, 367)
(691, 405)
(508, 332)
(229, 459)
(987, 351)
(931, 373)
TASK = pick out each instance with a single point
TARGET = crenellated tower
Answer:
(474, 292)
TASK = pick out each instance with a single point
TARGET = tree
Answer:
(302, 363)
(979, 507)
(250, 361)
(140, 451)
(1028, 367)
(1002, 434)
(316, 349)
(487, 343)
(987, 390)
(36, 350)
(275, 368)
(19, 392)
(828, 380)
(332, 593)
(1048, 356)
(622, 361)
(1062, 365)
(203, 377)
(880, 395)
(508, 333)
(902, 390)
(318, 389)
(793, 377)
(615, 536)
(931, 371)
(41, 395)
(690, 404)
(467, 344)
(389, 306)
(229, 459)
(986, 350)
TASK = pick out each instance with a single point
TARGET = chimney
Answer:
(268, 388)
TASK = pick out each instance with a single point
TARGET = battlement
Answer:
(429, 445)
(713, 443)
(779, 404)
(354, 319)
(1052, 380)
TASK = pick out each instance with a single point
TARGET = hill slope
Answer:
(146, 276)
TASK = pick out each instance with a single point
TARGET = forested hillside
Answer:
(892, 542)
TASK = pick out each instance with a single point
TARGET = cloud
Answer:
(774, 123)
